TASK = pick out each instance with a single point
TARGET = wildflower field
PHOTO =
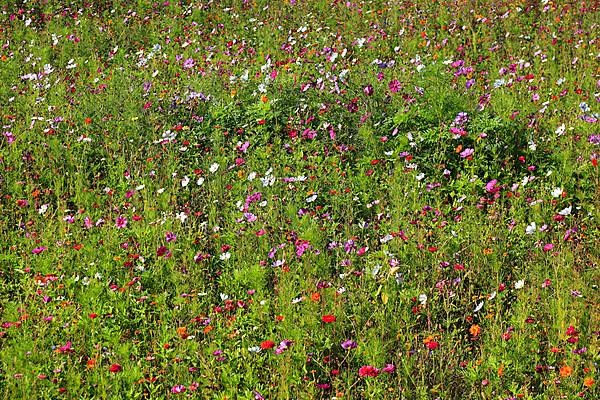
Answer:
(299, 199)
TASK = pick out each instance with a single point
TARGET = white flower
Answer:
(530, 230)
(478, 307)
(532, 145)
(43, 209)
(181, 217)
(560, 130)
(225, 256)
(200, 181)
(556, 192)
(185, 181)
(423, 299)
(375, 270)
(213, 168)
(251, 176)
(566, 211)
(420, 176)
(312, 198)
(519, 284)
(223, 296)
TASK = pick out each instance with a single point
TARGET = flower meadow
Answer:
(299, 199)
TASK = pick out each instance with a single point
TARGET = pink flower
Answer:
(548, 247)
(389, 368)
(121, 222)
(178, 389)
(490, 187)
(39, 250)
(368, 370)
(466, 153)
(65, 349)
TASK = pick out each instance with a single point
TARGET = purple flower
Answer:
(10, 138)
(349, 344)
(368, 90)
(170, 237)
(189, 63)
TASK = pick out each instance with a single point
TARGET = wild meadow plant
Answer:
(299, 199)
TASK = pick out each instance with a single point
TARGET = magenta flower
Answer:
(394, 85)
(548, 247)
(121, 222)
(39, 250)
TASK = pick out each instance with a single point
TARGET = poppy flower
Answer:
(114, 368)
(328, 319)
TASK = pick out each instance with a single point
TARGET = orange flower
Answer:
(588, 382)
(91, 363)
(316, 297)
(501, 370)
(207, 329)
(182, 332)
(475, 330)
(565, 371)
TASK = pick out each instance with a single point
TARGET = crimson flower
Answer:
(114, 368)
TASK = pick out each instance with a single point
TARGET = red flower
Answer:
(328, 318)
(115, 368)
(267, 344)
(368, 370)
(432, 345)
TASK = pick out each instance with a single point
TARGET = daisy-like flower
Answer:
(121, 222)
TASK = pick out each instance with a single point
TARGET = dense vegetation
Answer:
(299, 199)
